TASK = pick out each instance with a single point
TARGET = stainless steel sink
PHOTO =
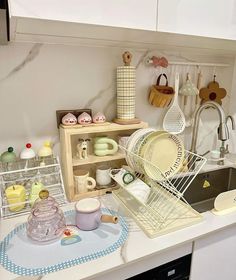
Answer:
(206, 186)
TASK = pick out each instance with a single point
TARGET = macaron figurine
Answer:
(84, 118)
(28, 152)
(8, 156)
(99, 118)
(69, 119)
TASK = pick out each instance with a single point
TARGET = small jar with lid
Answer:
(46, 223)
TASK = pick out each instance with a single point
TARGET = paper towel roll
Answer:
(126, 87)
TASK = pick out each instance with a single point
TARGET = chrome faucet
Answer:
(223, 133)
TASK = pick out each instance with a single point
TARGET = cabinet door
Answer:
(121, 13)
(211, 18)
(213, 257)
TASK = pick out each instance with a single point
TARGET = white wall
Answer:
(36, 80)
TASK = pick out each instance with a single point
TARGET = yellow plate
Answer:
(163, 156)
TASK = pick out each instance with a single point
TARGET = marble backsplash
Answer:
(36, 80)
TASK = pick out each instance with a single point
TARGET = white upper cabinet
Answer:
(210, 18)
(117, 13)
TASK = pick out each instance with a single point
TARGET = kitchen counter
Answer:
(139, 253)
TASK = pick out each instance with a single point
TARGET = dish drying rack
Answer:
(165, 209)
(49, 175)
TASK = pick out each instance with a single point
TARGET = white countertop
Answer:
(137, 249)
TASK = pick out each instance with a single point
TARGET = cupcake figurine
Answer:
(45, 150)
(69, 119)
(99, 118)
(28, 156)
(27, 152)
(8, 156)
(9, 163)
(84, 118)
(46, 153)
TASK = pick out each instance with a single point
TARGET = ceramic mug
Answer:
(122, 141)
(89, 215)
(103, 177)
(83, 182)
(105, 146)
(134, 185)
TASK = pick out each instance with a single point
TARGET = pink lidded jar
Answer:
(46, 223)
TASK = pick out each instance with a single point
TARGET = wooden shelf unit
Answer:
(69, 161)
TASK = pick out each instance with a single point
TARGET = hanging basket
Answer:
(160, 95)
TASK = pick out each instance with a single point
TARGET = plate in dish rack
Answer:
(133, 139)
(163, 156)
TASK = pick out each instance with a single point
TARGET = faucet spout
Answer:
(223, 133)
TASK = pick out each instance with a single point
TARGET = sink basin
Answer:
(206, 186)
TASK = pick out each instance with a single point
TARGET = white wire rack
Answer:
(19, 173)
(164, 209)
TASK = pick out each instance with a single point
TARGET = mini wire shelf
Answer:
(20, 173)
(164, 209)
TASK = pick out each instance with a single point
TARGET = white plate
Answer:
(163, 156)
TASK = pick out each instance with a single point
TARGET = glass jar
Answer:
(46, 223)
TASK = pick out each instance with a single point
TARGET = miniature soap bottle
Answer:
(9, 163)
(27, 156)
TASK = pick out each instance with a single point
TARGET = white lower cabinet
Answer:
(214, 256)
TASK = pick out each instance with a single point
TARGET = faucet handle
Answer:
(227, 149)
(229, 117)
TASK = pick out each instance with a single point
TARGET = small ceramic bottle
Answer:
(27, 155)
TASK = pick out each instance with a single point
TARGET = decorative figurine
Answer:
(16, 194)
(69, 119)
(28, 156)
(84, 118)
(82, 148)
(34, 192)
(212, 92)
(8, 156)
(45, 152)
(28, 152)
(99, 118)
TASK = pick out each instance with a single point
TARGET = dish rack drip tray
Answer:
(164, 209)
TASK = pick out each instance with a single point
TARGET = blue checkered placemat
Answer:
(20, 256)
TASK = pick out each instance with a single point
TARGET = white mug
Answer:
(83, 182)
(103, 177)
(122, 141)
(134, 185)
